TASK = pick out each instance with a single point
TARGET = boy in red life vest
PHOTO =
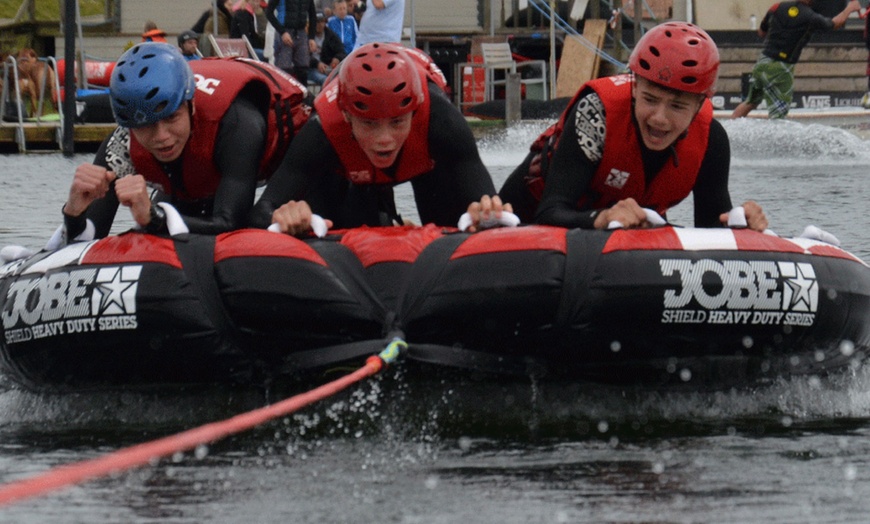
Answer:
(382, 119)
(643, 140)
(203, 133)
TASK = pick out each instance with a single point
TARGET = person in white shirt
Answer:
(382, 21)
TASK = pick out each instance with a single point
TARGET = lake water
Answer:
(394, 451)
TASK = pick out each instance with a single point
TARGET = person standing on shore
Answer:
(786, 29)
(294, 22)
(382, 21)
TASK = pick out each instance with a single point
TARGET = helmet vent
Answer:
(655, 51)
(361, 107)
(367, 67)
(400, 87)
(364, 90)
(152, 93)
(644, 64)
(143, 72)
(690, 63)
(689, 80)
(405, 102)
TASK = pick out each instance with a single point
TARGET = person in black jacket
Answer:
(786, 29)
(244, 23)
(294, 41)
(204, 20)
(330, 51)
(206, 25)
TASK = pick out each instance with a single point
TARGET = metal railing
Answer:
(17, 117)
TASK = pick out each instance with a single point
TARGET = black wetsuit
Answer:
(312, 172)
(238, 148)
(789, 26)
(571, 172)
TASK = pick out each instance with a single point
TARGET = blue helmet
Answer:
(149, 83)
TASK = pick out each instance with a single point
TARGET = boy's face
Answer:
(663, 114)
(340, 9)
(189, 46)
(382, 138)
(166, 139)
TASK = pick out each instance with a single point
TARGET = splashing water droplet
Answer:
(847, 348)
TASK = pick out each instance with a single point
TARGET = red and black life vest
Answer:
(620, 173)
(414, 159)
(218, 83)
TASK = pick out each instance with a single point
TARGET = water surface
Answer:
(392, 450)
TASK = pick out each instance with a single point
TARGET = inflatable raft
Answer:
(665, 305)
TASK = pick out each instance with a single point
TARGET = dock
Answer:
(46, 137)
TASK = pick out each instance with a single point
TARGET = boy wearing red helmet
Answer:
(629, 142)
(382, 119)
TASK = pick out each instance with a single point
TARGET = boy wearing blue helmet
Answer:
(203, 133)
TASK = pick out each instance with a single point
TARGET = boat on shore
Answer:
(664, 306)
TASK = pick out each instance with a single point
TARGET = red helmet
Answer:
(379, 80)
(678, 55)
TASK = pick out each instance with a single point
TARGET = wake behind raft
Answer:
(657, 306)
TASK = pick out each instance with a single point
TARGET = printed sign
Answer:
(79, 301)
(740, 292)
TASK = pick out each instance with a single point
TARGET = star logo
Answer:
(801, 289)
(115, 290)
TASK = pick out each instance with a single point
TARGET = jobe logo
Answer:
(744, 292)
(80, 301)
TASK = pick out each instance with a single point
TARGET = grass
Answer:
(50, 9)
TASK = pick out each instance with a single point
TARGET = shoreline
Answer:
(43, 136)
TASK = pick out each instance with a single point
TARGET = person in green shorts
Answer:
(786, 29)
(771, 81)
